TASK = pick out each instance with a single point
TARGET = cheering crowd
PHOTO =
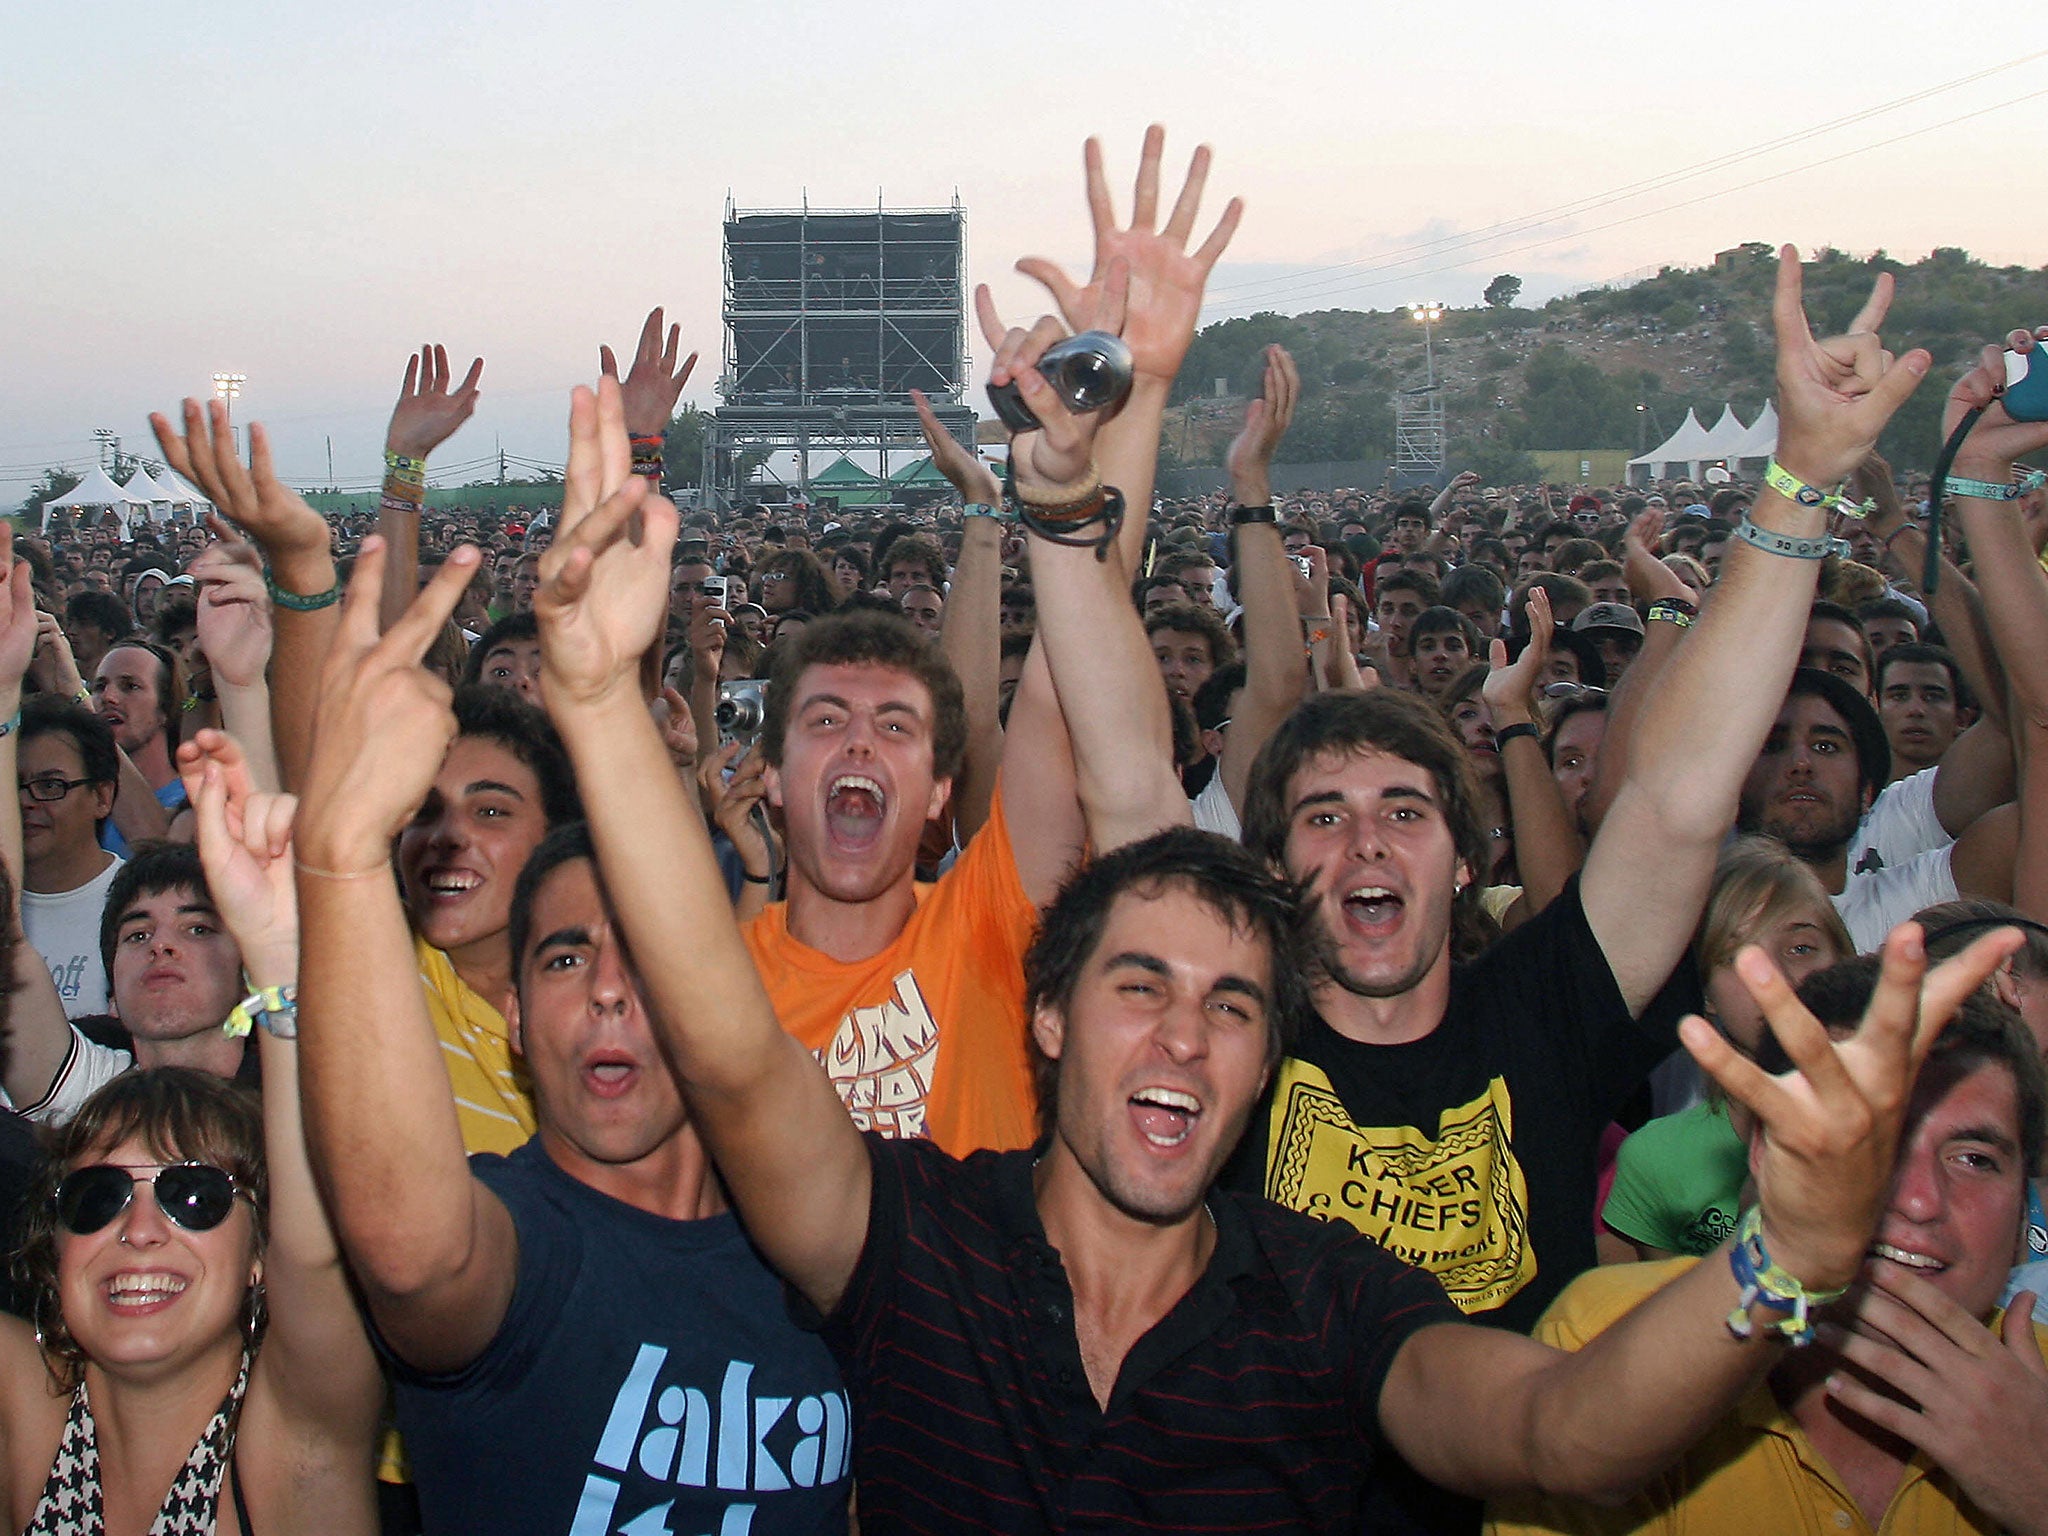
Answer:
(1079, 1011)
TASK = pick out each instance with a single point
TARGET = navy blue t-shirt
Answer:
(647, 1379)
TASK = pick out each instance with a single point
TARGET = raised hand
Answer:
(1835, 396)
(19, 625)
(651, 390)
(603, 598)
(1648, 577)
(1830, 1127)
(1266, 420)
(678, 730)
(1056, 462)
(1975, 1401)
(1165, 279)
(245, 840)
(253, 499)
(383, 722)
(234, 613)
(731, 802)
(428, 411)
(961, 465)
(1510, 687)
(1996, 440)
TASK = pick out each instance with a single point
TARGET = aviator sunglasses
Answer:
(197, 1196)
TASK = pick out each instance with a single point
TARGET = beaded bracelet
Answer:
(647, 457)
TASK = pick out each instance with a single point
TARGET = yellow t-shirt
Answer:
(493, 1095)
(1753, 1472)
(925, 1038)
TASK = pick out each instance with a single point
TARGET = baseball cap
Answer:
(1608, 616)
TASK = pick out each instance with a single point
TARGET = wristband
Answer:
(1794, 489)
(13, 724)
(1673, 610)
(1317, 633)
(399, 467)
(1508, 733)
(275, 1008)
(1081, 509)
(1263, 513)
(1764, 1284)
(647, 459)
(1783, 543)
(299, 602)
(83, 696)
(1984, 490)
(754, 879)
(1908, 526)
(980, 509)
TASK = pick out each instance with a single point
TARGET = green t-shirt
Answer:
(1678, 1182)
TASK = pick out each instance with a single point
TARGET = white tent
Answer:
(1759, 442)
(1723, 435)
(183, 493)
(1680, 452)
(147, 491)
(97, 492)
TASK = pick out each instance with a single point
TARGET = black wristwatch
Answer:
(1239, 516)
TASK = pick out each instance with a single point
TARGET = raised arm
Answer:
(1486, 1412)
(428, 413)
(788, 1153)
(297, 549)
(1275, 666)
(316, 1367)
(1548, 849)
(1165, 304)
(235, 633)
(1648, 871)
(1107, 684)
(434, 1249)
(971, 631)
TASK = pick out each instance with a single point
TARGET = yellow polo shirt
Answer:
(493, 1095)
(1754, 1472)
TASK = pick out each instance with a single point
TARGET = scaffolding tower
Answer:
(1419, 433)
(832, 317)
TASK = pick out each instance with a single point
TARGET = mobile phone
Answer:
(2026, 385)
(1303, 564)
(715, 589)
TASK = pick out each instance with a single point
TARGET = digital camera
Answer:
(742, 708)
(1090, 372)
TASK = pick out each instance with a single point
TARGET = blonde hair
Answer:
(1760, 882)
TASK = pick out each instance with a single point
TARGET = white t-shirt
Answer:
(1213, 810)
(1900, 825)
(88, 1067)
(1874, 903)
(64, 928)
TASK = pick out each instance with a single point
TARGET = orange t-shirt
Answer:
(925, 1038)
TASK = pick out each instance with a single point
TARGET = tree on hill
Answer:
(1502, 292)
(55, 483)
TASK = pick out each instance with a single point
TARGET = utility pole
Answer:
(330, 461)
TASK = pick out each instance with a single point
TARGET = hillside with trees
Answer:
(1572, 374)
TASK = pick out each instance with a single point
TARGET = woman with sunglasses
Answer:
(196, 1362)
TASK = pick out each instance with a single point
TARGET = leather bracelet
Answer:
(1263, 513)
(1508, 733)
(1783, 544)
(1079, 510)
(1673, 610)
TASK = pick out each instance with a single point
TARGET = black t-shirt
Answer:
(1472, 1152)
(1252, 1405)
(647, 1377)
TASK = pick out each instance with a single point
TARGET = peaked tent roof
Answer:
(1761, 440)
(1724, 435)
(843, 471)
(97, 489)
(1681, 447)
(183, 492)
(140, 485)
(923, 472)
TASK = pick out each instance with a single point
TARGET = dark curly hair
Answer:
(180, 1115)
(865, 636)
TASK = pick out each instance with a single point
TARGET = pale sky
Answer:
(302, 193)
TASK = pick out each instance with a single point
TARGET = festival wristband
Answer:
(83, 696)
(1991, 490)
(647, 457)
(400, 467)
(1784, 543)
(1794, 489)
(275, 1008)
(1765, 1285)
(1673, 610)
(299, 602)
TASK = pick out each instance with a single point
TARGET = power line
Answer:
(1351, 284)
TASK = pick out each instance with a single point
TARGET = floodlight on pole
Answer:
(227, 389)
(1426, 314)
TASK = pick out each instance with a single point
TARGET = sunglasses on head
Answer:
(197, 1196)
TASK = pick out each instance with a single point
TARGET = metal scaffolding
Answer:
(1419, 433)
(832, 317)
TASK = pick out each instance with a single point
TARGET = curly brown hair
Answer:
(179, 1114)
